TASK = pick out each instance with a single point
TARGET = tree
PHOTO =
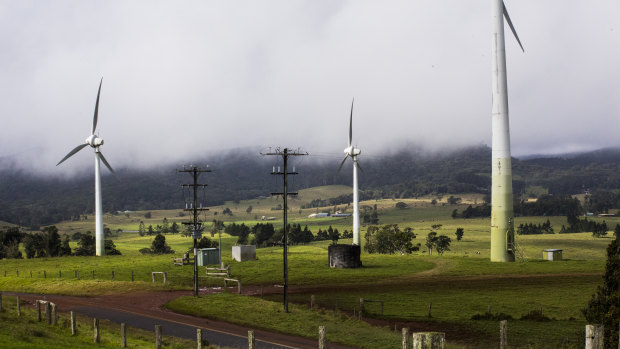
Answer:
(436, 226)
(617, 231)
(65, 249)
(227, 211)
(442, 244)
(165, 227)
(216, 227)
(459, 233)
(453, 200)
(334, 235)
(147, 215)
(389, 239)
(52, 241)
(401, 205)
(604, 306)
(110, 248)
(159, 246)
(431, 238)
(262, 233)
(249, 209)
(86, 245)
(149, 230)
(141, 229)
(174, 228)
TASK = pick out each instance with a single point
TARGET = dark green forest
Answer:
(36, 200)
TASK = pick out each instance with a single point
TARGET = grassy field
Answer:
(26, 332)
(459, 284)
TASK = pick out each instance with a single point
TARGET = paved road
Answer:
(144, 310)
(173, 328)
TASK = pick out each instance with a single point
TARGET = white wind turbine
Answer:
(352, 152)
(502, 213)
(95, 142)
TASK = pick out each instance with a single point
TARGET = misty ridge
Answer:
(32, 200)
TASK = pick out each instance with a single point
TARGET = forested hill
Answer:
(32, 201)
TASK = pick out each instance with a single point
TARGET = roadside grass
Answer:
(300, 320)
(26, 332)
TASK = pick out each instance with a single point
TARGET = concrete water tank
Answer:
(244, 253)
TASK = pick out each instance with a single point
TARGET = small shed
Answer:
(552, 254)
(208, 256)
(244, 253)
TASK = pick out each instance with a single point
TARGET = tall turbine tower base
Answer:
(502, 216)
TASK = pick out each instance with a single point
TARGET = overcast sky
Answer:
(185, 78)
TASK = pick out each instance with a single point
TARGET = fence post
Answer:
(132, 276)
(54, 315)
(123, 335)
(93, 272)
(311, 301)
(48, 313)
(199, 338)
(112, 274)
(38, 311)
(594, 336)
(60, 274)
(423, 340)
(430, 307)
(405, 338)
(321, 337)
(503, 334)
(19, 308)
(75, 274)
(361, 306)
(96, 330)
(157, 336)
(73, 324)
(251, 342)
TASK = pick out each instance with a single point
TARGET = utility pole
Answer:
(285, 154)
(196, 224)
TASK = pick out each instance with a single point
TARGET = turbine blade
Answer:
(514, 32)
(75, 150)
(341, 164)
(351, 124)
(96, 108)
(105, 162)
(358, 166)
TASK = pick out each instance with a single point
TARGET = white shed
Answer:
(552, 254)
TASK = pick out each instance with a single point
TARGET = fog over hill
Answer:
(30, 199)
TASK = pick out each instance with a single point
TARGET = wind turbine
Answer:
(95, 142)
(502, 214)
(352, 152)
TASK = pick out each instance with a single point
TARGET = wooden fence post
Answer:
(361, 306)
(311, 301)
(73, 324)
(48, 313)
(157, 336)
(321, 337)
(38, 311)
(251, 341)
(199, 338)
(19, 307)
(112, 274)
(594, 336)
(54, 314)
(132, 276)
(423, 340)
(96, 330)
(93, 273)
(430, 307)
(405, 338)
(503, 334)
(123, 335)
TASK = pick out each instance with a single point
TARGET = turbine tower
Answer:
(502, 214)
(95, 142)
(352, 152)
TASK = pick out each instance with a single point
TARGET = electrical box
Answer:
(208, 256)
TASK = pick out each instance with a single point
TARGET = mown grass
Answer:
(26, 332)
(299, 321)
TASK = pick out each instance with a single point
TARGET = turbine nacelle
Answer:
(94, 141)
(352, 151)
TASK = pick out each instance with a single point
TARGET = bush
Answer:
(535, 315)
(389, 239)
(158, 246)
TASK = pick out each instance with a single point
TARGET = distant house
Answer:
(340, 214)
(263, 218)
(319, 215)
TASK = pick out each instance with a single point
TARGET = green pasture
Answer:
(459, 284)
